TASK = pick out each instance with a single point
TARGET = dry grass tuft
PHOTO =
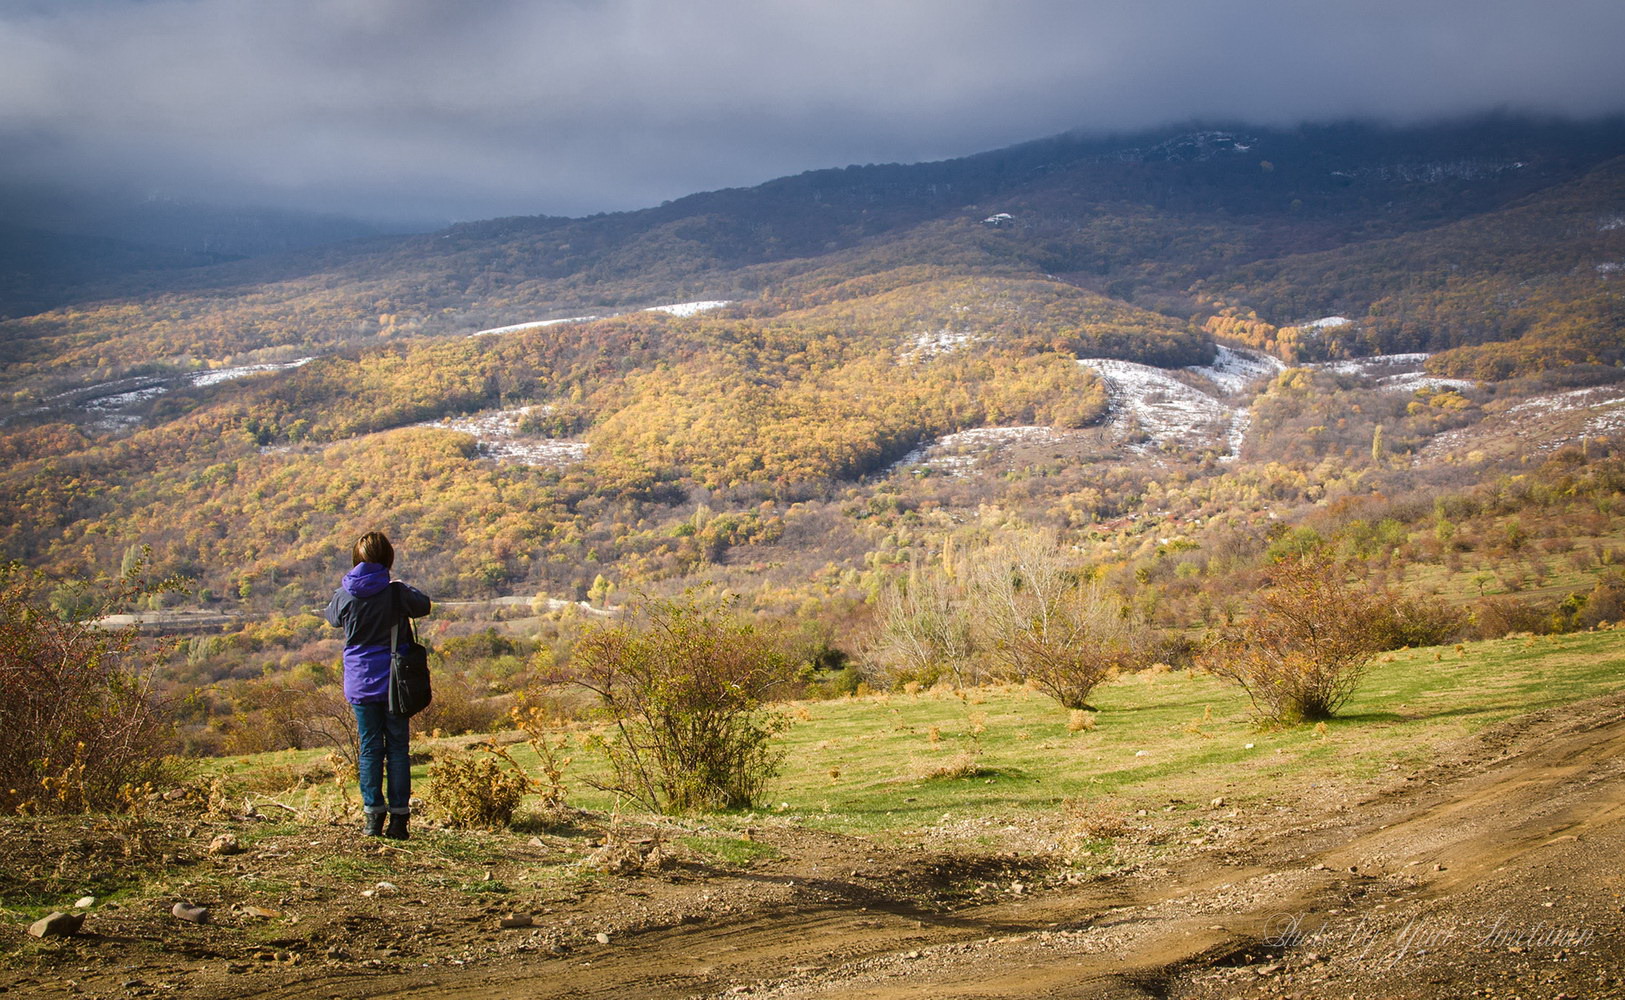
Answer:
(1097, 819)
(960, 765)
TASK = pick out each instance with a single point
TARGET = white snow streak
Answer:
(109, 410)
(539, 324)
(1561, 402)
(944, 341)
(1394, 372)
(690, 308)
(218, 375)
(675, 309)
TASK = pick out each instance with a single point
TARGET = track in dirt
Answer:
(1520, 832)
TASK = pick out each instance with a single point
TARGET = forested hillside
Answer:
(1156, 348)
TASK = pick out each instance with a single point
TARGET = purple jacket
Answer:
(367, 606)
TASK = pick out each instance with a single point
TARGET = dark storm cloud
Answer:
(482, 107)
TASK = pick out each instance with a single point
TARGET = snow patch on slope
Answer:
(956, 454)
(1394, 372)
(944, 341)
(1562, 402)
(1540, 424)
(1166, 409)
(674, 309)
(499, 438)
(108, 403)
(1233, 370)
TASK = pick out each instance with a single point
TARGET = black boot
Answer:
(375, 825)
(397, 827)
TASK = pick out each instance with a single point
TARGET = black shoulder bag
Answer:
(408, 670)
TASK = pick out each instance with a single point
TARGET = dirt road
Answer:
(1494, 872)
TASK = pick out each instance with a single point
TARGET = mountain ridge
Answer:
(729, 243)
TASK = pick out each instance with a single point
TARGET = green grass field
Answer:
(889, 765)
(865, 765)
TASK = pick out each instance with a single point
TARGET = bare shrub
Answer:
(1418, 621)
(1605, 603)
(536, 718)
(458, 708)
(1301, 653)
(1080, 721)
(330, 721)
(684, 690)
(965, 764)
(473, 789)
(923, 632)
(78, 721)
(1050, 627)
(1494, 617)
(295, 714)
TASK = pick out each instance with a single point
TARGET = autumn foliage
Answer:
(77, 721)
(1301, 653)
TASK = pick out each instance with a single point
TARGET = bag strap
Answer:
(394, 665)
(400, 613)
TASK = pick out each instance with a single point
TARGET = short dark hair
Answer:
(373, 547)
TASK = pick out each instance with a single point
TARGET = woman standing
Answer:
(369, 606)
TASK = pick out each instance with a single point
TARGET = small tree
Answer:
(1301, 653)
(1049, 625)
(684, 689)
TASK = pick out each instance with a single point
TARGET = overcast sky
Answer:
(461, 109)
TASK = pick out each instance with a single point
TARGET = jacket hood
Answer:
(366, 579)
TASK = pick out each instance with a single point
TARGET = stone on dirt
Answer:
(191, 914)
(516, 920)
(57, 925)
(84, 902)
(225, 844)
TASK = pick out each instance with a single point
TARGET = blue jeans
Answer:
(384, 748)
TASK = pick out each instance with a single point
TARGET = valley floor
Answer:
(1490, 871)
